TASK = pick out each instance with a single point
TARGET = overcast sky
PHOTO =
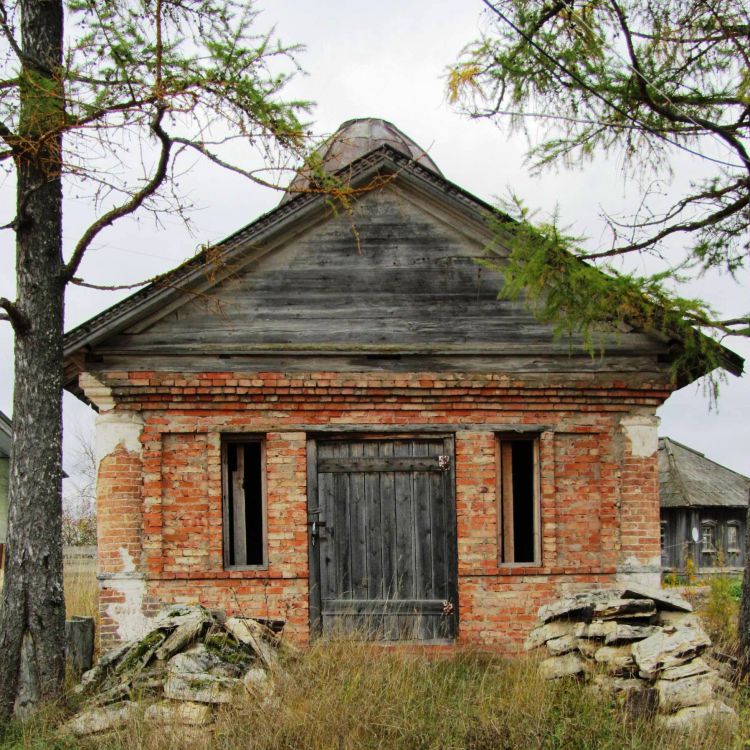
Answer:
(388, 59)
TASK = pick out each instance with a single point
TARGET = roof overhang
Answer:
(379, 167)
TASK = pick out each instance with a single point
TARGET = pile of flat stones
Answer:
(189, 662)
(641, 646)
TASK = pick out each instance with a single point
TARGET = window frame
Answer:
(705, 525)
(663, 539)
(535, 440)
(735, 525)
(226, 442)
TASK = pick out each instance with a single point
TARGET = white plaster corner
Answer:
(128, 563)
(642, 433)
(115, 428)
(97, 392)
(644, 573)
(128, 615)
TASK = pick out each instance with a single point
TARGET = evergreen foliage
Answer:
(641, 81)
(102, 100)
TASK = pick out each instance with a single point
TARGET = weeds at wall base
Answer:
(350, 695)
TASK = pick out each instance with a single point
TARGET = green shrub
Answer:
(721, 610)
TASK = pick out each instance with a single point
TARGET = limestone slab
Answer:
(615, 609)
(569, 665)
(664, 600)
(624, 633)
(663, 650)
(710, 714)
(540, 635)
(578, 606)
(562, 645)
(686, 692)
(689, 669)
(97, 720)
(201, 688)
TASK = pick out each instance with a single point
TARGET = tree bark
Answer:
(743, 627)
(32, 618)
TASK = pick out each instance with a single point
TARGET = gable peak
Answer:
(352, 140)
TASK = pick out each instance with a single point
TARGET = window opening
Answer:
(244, 504)
(733, 538)
(708, 538)
(519, 512)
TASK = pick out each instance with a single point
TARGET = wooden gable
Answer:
(394, 284)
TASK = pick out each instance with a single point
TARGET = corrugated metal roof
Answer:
(688, 479)
(6, 436)
(353, 139)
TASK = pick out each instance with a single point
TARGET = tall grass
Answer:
(81, 593)
(348, 695)
(352, 696)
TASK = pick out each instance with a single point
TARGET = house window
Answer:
(708, 538)
(519, 510)
(663, 544)
(733, 538)
(243, 475)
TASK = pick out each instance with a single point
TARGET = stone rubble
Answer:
(189, 662)
(641, 646)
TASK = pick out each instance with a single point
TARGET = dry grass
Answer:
(353, 696)
(81, 593)
(348, 695)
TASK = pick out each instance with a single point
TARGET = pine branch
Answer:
(9, 137)
(8, 33)
(669, 112)
(688, 226)
(131, 205)
(109, 287)
(14, 316)
(211, 156)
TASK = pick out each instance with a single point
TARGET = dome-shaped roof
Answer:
(353, 139)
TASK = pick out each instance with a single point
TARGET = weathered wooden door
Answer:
(383, 537)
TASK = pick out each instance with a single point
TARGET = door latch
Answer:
(444, 462)
(315, 527)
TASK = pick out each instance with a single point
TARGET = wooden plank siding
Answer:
(408, 284)
(680, 547)
(386, 546)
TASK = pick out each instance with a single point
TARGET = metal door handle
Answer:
(315, 527)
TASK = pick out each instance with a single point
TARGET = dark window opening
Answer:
(733, 538)
(244, 512)
(519, 512)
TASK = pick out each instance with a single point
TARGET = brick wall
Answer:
(599, 490)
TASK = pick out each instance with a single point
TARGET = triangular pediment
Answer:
(389, 281)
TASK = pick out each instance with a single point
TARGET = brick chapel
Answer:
(329, 418)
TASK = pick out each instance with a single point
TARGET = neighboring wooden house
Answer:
(330, 418)
(6, 439)
(703, 511)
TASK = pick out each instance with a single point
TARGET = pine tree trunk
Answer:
(743, 628)
(32, 619)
